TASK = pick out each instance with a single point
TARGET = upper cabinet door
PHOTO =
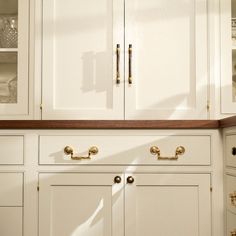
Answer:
(167, 60)
(80, 62)
(228, 56)
(14, 26)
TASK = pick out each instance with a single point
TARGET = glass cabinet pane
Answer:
(8, 77)
(8, 23)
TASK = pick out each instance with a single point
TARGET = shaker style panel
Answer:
(167, 73)
(11, 219)
(82, 70)
(230, 150)
(125, 150)
(231, 193)
(80, 204)
(11, 150)
(11, 191)
(14, 24)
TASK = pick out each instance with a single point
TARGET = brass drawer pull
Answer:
(156, 151)
(118, 64)
(117, 180)
(130, 179)
(233, 233)
(232, 197)
(130, 50)
(69, 151)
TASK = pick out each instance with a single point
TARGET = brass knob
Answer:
(180, 150)
(93, 150)
(117, 179)
(130, 180)
(68, 150)
(234, 151)
(155, 150)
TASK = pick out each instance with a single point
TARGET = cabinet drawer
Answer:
(11, 221)
(231, 223)
(231, 150)
(11, 190)
(231, 193)
(125, 149)
(11, 150)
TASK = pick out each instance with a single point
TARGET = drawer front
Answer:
(11, 189)
(231, 150)
(125, 150)
(11, 150)
(231, 224)
(11, 221)
(231, 193)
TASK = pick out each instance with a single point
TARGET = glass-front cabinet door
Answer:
(14, 23)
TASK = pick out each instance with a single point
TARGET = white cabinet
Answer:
(14, 36)
(93, 204)
(161, 60)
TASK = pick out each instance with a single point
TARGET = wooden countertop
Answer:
(109, 124)
(118, 124)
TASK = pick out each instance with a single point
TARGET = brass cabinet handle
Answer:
(130, 180)
(232, 197)
(69, 151)
(117, 179)
(156, 151)
(234, 151)
(130, 50)
(118, 64)
(233, 233)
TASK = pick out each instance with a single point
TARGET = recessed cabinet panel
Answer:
(169, 59)
(80, 204)
(165, 204)
(79, 59)
(11, 219)
(230, 150)
(231, 193)
(125, 150)
(14, 58)
(231, 224)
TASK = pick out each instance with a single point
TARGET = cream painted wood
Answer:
(231, 188)
(20, 109)
(80, 204)
(168, 204)
(170, 65)
(227, 103)
(11, 191)
(125, 149)
(231, 223)
(11, 150)
(79, 59)
(230, 143)
(11, 221)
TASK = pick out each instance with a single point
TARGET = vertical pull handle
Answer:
(118, 64)
(130, 79)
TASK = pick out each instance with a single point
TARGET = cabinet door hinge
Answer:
(211, 188)
(41, 106)
(38, 188)
(208, 105)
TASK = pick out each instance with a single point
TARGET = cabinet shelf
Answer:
(8, 49)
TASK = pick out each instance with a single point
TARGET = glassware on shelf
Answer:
(8, 31)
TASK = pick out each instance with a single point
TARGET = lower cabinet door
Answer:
(73, 204)
(167, 205)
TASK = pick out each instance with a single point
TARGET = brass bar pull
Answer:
(232, 197)
(130, 79)
(69, 151)
(156, 151)
(118, 64)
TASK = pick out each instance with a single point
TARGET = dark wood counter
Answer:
(110, 124)
(228, 122)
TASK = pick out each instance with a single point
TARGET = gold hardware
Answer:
(41, 106)
(211, 189)
(37, 188)
(130, 180)
(69, 151)
(233, 233)
(118, 64)
(117, 179)
(156, 151)
(232, 197)
(234, 151)
(130, 79)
